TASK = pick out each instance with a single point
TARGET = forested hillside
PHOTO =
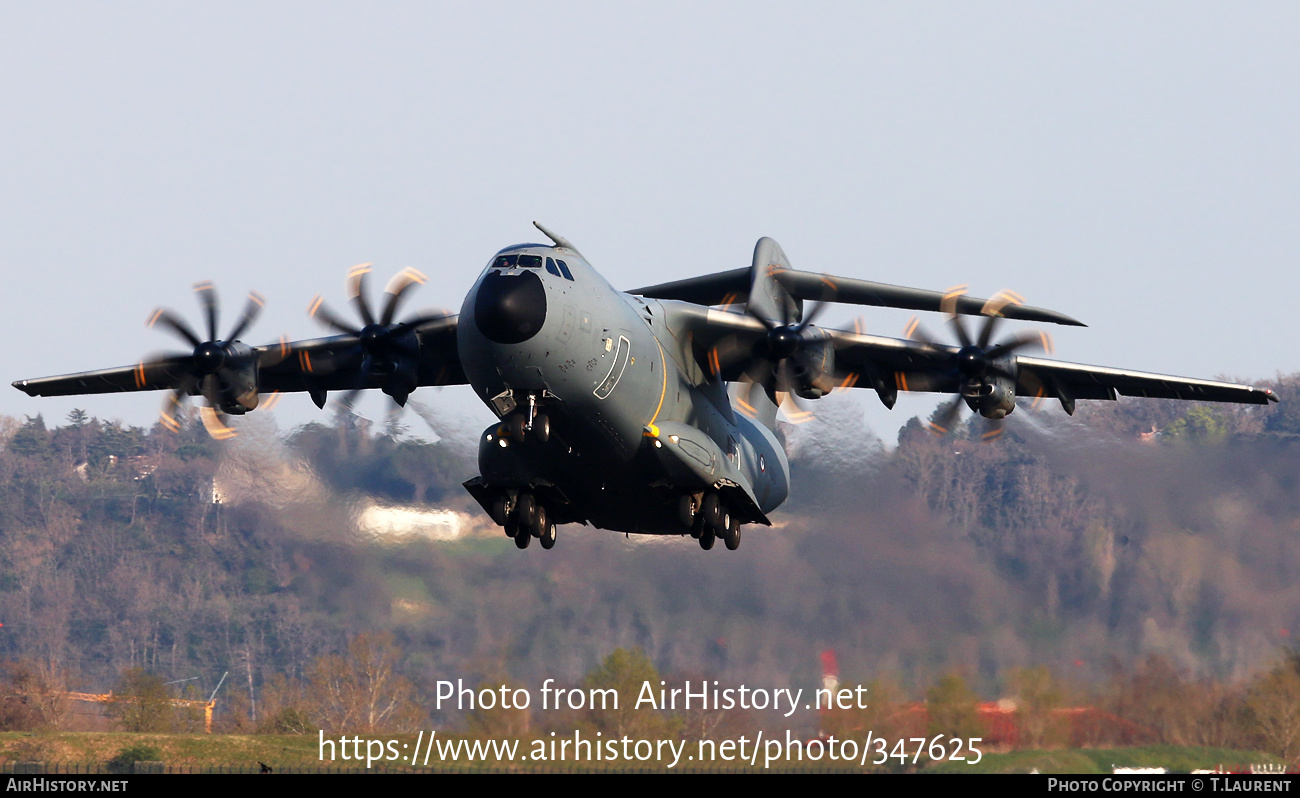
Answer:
(1076, 543)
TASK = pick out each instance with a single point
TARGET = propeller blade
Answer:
(324, 315)
(915, 332)
(948, 304)
(173, 406)
(418, 321)
(794, 410)
(1000, 301)
(811, 316)
(761, 374)
(356, 283)
(175, 323)
(1035, 386)
(986, 332)
(785, 378)
(252, 309)
(396, 290)
(214, 425)
(207, 294)
(959, 327)
(272, 400)
(943, 421)
(726, 353)
(347, 400)
(1021, 340)
(994, 430)
(768, 323)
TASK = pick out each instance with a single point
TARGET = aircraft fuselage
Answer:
(635, 424)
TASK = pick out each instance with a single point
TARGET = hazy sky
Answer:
(1133, 165)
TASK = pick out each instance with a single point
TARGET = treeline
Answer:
(1075, 544)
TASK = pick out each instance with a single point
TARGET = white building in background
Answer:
(398, 522)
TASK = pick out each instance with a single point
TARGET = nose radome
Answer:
(510, 308)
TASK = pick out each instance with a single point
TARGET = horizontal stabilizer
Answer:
(733, 286)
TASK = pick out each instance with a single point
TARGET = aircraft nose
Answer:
(510, 308)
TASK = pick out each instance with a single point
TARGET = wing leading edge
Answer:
(321, 364)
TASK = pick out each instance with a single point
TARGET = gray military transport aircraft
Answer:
(650, 411)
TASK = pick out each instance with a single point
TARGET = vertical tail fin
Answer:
(767, 297)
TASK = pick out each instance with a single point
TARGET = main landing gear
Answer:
(709, 518)
(523, 519)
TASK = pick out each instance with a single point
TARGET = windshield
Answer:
(511, 261)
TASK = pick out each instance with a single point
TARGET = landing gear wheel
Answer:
(732, 536)
(515, 426)
(539, 522)
(548, 536)
(706, 538)
(686, 510)
(541, 428)
(511, 527)
(501, 507)
(712, 510)
(724, 523)
(699, 526)
(522, 538)
(525, 510)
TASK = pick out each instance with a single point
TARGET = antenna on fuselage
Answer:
(560, 241)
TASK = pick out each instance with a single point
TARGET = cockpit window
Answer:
(550, 267)
(564, 267)
(530, 261)
(505, 262)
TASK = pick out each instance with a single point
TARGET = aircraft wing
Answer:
(1098, 382)
(162, 374)
(321, 364)
(909, 366)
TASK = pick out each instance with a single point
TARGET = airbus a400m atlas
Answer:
(614, 407)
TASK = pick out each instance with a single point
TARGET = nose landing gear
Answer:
(528, 421)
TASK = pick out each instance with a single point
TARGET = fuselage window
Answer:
(564, 267)
(530, 261)
(505, 261)
(550, 267)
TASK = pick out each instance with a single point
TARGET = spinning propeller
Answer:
(389, 351)
(224, 371)
(983, 371)
(791, 360)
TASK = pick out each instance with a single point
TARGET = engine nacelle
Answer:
(233, 387)
(396, 375)
(993, 397)
(814, 365)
